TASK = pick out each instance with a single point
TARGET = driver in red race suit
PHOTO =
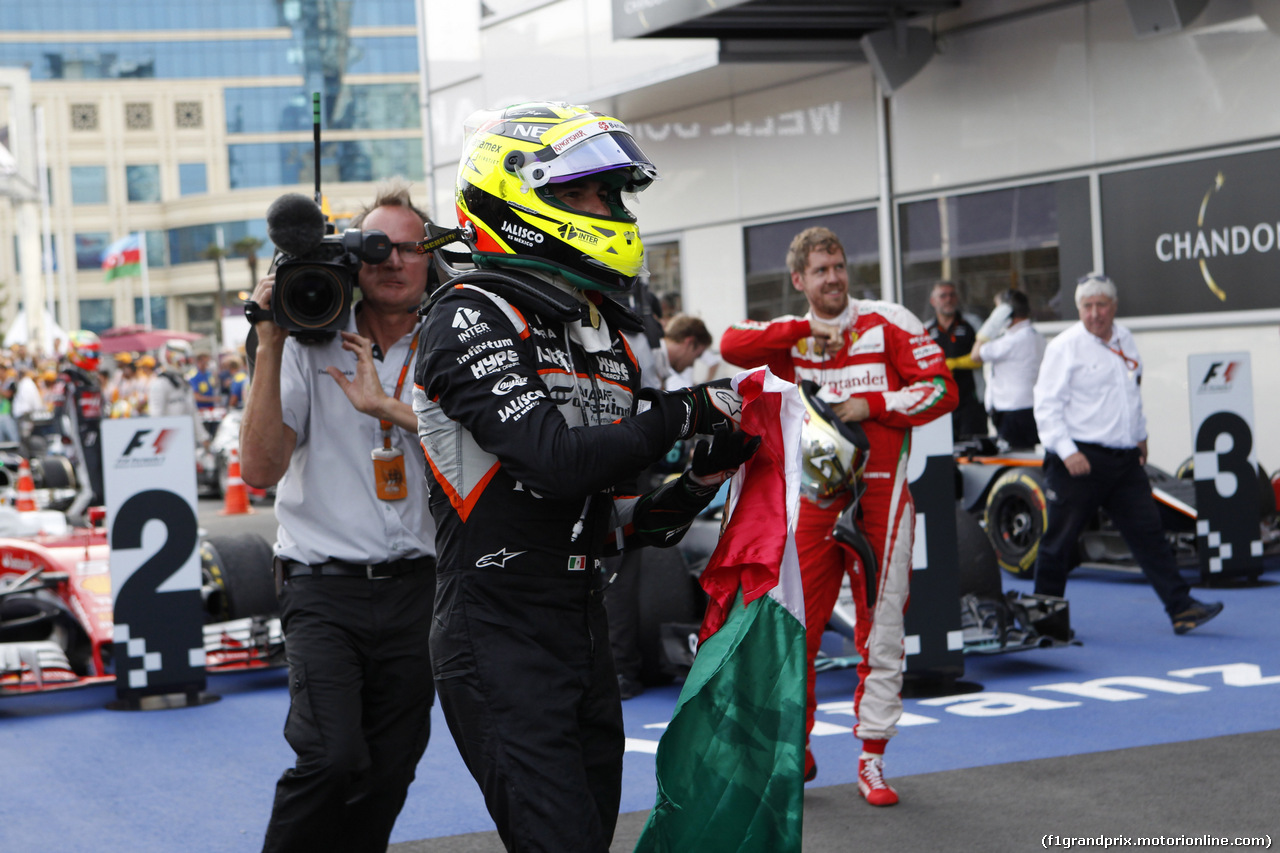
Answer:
(876, 365)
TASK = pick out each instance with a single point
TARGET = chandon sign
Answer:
(1194, 237)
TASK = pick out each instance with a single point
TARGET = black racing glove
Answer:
(708, 409)
(718, 461)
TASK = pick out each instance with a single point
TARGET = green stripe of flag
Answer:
(730, 764)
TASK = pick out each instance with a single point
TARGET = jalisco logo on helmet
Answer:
(521, 233)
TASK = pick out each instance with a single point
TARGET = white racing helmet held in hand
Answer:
(834, 452)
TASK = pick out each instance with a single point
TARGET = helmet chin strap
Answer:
(437, 237)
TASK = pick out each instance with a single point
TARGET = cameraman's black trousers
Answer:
(360, 692)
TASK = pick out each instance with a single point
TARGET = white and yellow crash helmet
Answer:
(510, 162)
(834, 453)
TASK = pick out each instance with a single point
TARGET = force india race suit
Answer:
(889, 360)
(525, 414)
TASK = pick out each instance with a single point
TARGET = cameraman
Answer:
(355, 564)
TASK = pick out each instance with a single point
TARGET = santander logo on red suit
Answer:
(841, 383)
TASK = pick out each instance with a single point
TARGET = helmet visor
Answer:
(614, 151)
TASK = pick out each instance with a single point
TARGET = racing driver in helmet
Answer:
(77, 406)
(529, 414)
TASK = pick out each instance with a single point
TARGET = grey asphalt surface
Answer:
(261, 521)
(1220, 786)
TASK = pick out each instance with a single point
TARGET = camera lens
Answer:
(312, 297)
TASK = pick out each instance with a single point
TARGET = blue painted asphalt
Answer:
(78, 777)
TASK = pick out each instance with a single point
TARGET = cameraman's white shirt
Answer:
(326, 502)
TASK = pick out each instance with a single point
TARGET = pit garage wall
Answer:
(1065, 93)
(1073, 90)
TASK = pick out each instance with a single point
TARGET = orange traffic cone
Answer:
(236, 500)
(26, 489)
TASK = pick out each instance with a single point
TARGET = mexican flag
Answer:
(123, 257)
(730, 763)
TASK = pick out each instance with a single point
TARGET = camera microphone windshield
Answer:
(295, 224)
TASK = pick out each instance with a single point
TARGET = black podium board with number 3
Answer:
(1226, 465)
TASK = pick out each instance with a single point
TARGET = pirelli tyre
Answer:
(1016, 516)
(53, 472)
(238, 577)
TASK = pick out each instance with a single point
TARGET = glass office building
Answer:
(185, 121)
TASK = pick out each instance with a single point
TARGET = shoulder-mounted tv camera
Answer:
(316, 270)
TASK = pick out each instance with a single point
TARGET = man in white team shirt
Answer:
(1014, 355)
(1088, 408)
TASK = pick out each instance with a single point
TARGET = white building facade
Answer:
(1040, 141)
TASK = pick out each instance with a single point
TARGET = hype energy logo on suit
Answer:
(1194, 237)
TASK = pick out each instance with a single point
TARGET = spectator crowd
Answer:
(30, 387)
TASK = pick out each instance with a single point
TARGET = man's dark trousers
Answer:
(1017, 427)
(361, 688)
(1117, 483)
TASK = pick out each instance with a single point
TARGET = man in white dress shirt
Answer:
(1088, 408)
(1014, 356)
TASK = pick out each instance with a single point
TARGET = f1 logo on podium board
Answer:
(149, 472)
(1226, 466)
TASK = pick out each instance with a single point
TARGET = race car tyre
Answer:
(239, 569)
(668, 593)
(53, 472)
(979, 572)
(25, 619)
(1016, 517)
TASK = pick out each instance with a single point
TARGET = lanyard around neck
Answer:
(404, 370)
(1131, 363)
